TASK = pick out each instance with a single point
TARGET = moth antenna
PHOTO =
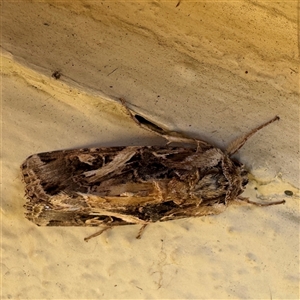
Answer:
(239, 142)
(261, 204)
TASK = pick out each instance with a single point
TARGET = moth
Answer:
(115, 186)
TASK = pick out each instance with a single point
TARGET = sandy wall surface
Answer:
(211, 70)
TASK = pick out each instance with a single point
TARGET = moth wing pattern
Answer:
(87, 187)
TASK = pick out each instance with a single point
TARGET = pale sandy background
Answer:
(210, 69)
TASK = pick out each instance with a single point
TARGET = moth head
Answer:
(237, 176)
(242, 173)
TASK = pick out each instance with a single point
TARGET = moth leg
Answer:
(97, 233)
(260, 204)
(170, 136)
(239, 142)
(142, 229)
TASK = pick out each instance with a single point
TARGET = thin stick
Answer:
(170, 136)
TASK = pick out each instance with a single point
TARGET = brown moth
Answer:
(115, 186)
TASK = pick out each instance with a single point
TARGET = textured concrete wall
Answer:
(213, 70)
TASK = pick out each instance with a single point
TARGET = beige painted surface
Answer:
(211, 69)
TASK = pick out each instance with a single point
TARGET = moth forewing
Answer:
(116, 186)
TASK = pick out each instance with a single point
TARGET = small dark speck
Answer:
(46, 24)
(246, 72)
(111, 86)
(178, 3)
(289, 193)
(56, 75)
(255, 188)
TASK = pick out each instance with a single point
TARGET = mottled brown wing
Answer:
(119, 185)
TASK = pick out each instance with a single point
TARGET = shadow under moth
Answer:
(116, 186)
